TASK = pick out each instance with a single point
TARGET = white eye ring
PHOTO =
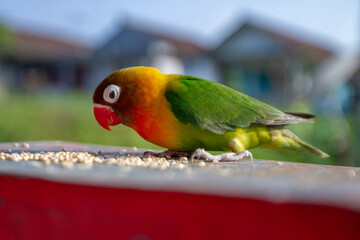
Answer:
(111, 93)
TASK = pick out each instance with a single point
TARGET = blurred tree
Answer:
(6, 40)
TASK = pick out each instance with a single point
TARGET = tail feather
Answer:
(283, 139)
(302, 115)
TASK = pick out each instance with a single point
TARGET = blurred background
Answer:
(298, 56)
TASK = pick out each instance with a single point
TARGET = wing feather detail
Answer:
(218, 108)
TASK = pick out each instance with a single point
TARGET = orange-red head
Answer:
(123, 91)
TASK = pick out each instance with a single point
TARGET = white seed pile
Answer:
(68, 159)
(24, 145)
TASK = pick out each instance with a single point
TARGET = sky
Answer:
(205, 21)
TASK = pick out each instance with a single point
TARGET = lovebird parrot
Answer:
(187, 114)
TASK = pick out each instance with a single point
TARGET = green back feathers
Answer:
(218, 108)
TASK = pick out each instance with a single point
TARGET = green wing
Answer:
(218, 108)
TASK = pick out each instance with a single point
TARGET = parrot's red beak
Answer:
(105, 116)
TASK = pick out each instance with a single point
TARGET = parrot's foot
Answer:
(201, 153)
(168, 154)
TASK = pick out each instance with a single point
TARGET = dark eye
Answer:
(111, 93)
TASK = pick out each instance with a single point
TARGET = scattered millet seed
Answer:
(85, 160)
(25, 145)
(201, 164)
(163, 166)
(110, 161)
(16, 145)
(180, 166)
(134, 149)
(154, 164)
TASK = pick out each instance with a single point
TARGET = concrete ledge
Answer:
(274, 181)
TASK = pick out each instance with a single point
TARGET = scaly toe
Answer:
(245, 153)
(233, 156)
(201, 153)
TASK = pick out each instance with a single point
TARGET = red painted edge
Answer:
(39, 209)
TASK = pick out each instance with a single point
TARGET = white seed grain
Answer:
(25, 145)
(201, 164)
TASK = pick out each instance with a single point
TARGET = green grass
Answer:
(65, 117)
(70, 118)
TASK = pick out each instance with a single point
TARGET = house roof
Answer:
(37, 47)
(296, 43)
(184, 46)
